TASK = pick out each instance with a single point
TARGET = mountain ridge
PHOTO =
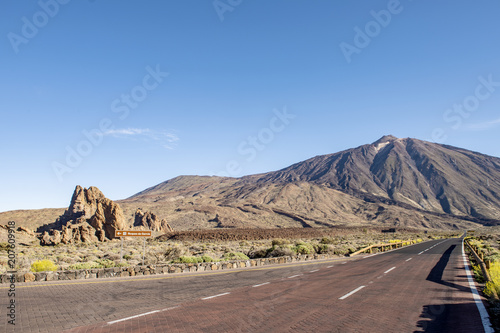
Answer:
(390, 182)
(418, 177)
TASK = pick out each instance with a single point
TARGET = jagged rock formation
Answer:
(90, 217)
(150, 221)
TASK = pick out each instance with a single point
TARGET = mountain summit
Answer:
(392, 181)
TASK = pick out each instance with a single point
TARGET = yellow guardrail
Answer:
(383, 247)
(484, 266)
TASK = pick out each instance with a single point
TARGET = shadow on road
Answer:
(436, 273)
(444, 318)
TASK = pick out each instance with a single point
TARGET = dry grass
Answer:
(107, 254)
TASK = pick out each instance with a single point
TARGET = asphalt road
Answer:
(420, 288)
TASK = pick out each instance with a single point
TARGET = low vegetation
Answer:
(487, 245)
(229, 245)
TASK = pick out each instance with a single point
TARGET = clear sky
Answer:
(123, 95)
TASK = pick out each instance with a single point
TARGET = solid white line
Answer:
(291, 277)
(314, 271)
(209, 297)
(408, 259)
(390, 269)
(352, 292)
(262, 284)
(128, 318)
(480, 306)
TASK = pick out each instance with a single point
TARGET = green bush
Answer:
(281, 251)
(4, 246)
(189, 260)
(327, 240)
(43, 266)
(235, 256)
(207, 258)
(322, 248)
(85, 265)
(303, 248)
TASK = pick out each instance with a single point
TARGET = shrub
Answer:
(4, 246)
(43, 266)
(280, 252)
(85, 265)
(303, 248)
(279, 242)
(258, 253)
(235, 256)
(327, 240)
(175, 251)
(495, 277)
(189, 260)
(105, 263)
(322, 248)
(207, 258)
(478, 274)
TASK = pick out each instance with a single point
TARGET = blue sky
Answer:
(123, 95)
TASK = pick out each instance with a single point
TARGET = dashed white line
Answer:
(291, 277)
(408, 259)
(352, 292)
(420, 253)
(209, 297)
(316, 270)
(390, 269)
(133, 317)
(329, 266)
(262, 284)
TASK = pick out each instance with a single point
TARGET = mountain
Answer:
(391, 182)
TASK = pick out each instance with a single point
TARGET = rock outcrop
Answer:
(90, 217)
(150, 221)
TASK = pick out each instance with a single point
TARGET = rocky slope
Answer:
(392, 182)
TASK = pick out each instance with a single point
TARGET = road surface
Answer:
(419, 288)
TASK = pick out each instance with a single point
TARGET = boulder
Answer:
(150, 221)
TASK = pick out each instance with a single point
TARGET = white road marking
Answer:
(480, 306)
(262, 284)
(390, 269)
(408, 259)
(314, 271)
(345, 262)
(171, 308)
(133, 317)
(291, 277)
(352, 292)
(329, 266)
(209, 297)
(420, 253)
